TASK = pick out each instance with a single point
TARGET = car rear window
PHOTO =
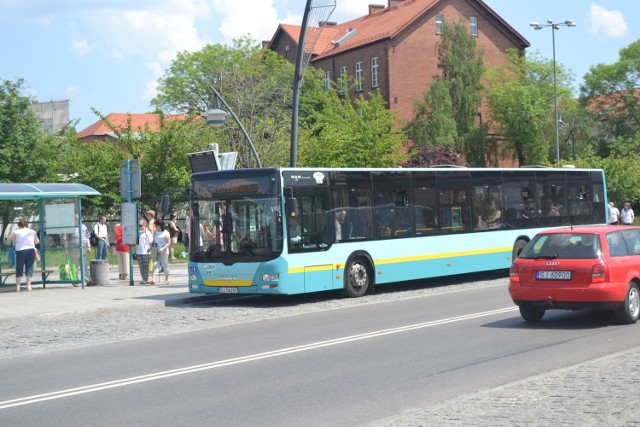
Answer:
(565, 245)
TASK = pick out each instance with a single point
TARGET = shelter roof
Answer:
(22, 191)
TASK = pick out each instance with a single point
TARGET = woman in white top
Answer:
(160, 251)
(145, 239)
(25, 243)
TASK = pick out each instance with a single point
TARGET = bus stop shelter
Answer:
(55, 212)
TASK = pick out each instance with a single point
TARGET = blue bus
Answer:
(299, 230)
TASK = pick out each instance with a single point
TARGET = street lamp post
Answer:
(554, 27)
(217, 117)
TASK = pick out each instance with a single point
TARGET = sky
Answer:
(108, 54)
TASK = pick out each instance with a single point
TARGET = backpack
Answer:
(93, 238)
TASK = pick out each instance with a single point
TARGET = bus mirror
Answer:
(291, 205)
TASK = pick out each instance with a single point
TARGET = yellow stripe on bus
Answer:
(384, 261)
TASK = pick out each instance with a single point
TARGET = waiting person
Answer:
(143, 250)
(160, 251)
(614, 214)
(122, 254)
(151, 217)
(102, 233)
(25, 241)
(626, 214)
(173, 233)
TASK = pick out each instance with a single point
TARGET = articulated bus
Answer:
(299, 230)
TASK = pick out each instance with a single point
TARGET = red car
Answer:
(586, 267)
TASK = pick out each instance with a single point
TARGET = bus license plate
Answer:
(228, 290)
(553, 275)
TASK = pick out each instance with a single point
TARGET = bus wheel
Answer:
(357, 279)
(517, 248)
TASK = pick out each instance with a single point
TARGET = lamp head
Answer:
(216, 117)
(569, 23)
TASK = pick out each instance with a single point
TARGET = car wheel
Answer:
(531, 313)
(629, 311)
(357, 279)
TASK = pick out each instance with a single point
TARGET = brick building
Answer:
(393, 47)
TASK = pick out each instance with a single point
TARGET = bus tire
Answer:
(357, 278)
(517, 248)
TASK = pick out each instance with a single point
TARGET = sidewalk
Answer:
(58, 299)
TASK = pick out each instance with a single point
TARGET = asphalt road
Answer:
(361, 362)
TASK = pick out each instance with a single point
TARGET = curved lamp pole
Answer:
(217, 117)
(554, 27)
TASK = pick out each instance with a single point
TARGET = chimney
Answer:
(393, 3)
(373, 8)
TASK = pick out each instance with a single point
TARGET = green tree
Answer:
(462, 69)
(612, 90)
(255, 84)
(521, 97)
(434, 123)
(447, 114)
(344, 133)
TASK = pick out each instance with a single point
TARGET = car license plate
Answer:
(553, 275)
(228, 290)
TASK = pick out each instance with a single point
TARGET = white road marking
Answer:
(244, 359)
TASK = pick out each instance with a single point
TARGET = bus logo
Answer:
(319, 177)
(209, 268)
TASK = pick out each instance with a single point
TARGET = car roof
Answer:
(593, 229)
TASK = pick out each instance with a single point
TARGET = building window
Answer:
(286, 52)
(327, 79)
(374, 72)
(473, 22)
(359, 77)
(343, 80)
(439, 22)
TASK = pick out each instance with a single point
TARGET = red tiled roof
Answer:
(138, 122)
(378, 25)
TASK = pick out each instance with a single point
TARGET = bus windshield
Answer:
(236, 222)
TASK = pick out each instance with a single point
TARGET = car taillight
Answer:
(514, 274)
(598, 273)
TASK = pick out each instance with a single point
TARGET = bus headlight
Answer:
(270, 277)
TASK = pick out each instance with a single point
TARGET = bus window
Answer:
(454, 202)
(352, 194)
(393, 215)
(553, 198)
(521, 208)
(487, 200)
(425, 202)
